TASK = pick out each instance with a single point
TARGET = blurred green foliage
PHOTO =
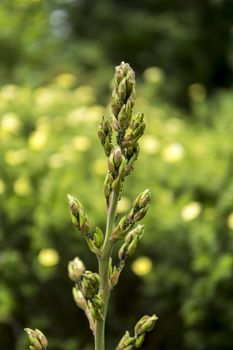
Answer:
(56, 61)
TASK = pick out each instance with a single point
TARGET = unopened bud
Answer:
(37, 339)
(139, 340)
(79, 298)
(115, 160)
(105, 135)
(98, 237)
(76, 269)
(142, 199)
(145, 324)
(78, 215)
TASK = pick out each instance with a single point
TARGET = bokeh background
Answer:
(57, 61)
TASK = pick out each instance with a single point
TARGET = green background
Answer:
(57, 61)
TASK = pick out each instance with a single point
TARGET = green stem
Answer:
(104, 267)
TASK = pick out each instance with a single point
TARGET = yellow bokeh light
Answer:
(142, 266)
(2, 186)
(154, 75)
(56, 161)
(10, 123)
(22, 187)
(38, 140)
(100, 166)
(197, 92)
(65, 80)
(149, 144)
(230, 221)
(16, 157)
(123, 205)
(48, 257)
(81, 143)
(191, 211)
(173, 153)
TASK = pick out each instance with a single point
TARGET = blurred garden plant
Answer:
(119, 137)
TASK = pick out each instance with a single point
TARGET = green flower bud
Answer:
(139, 340)
(78, 298)
(108, 187)
(115, 159)
(105, 135)
(145, 324)
(90, 284)
(98, 237)
(121, 229)
(137, 231)
(76, 269)
(126, 342)
(123, 97)
(78, 216)
(37, 339)
(142, 199)
(140, 206)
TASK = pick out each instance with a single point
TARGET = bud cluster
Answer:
(37, 339)
(144, 325)
(86, 290)
(137, 213)
(126, 250)
(105, 135)
(78, 215)
(123, 97)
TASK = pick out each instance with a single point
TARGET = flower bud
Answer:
(115, 160)
(78, 297)
(105, 135)
(142, 199)
(90, 284)
(76, 269)
(139, 340)
(98, 237)
(78, 215)
(37, 339)
(145, 324)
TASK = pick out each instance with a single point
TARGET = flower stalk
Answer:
(91, 291)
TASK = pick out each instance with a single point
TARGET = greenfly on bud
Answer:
(76, 269)
(78, 215)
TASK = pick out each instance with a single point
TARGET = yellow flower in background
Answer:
(100, 166)
(142, 266)
(48, 257)
(95, 113)
(16, 157)
(65, 80)
(123, 205)
(10, 123)
(76, 116)
(149, 144)
(56, 161)
(38, 140)
(22, 187)
(44, 97)
(191, 211)
(230, 221)
(173, 126)
(85, 94)
(2, 186)
(81, 143)
(8, 92)
(154, 75)
(173, 153)
(197, 92)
